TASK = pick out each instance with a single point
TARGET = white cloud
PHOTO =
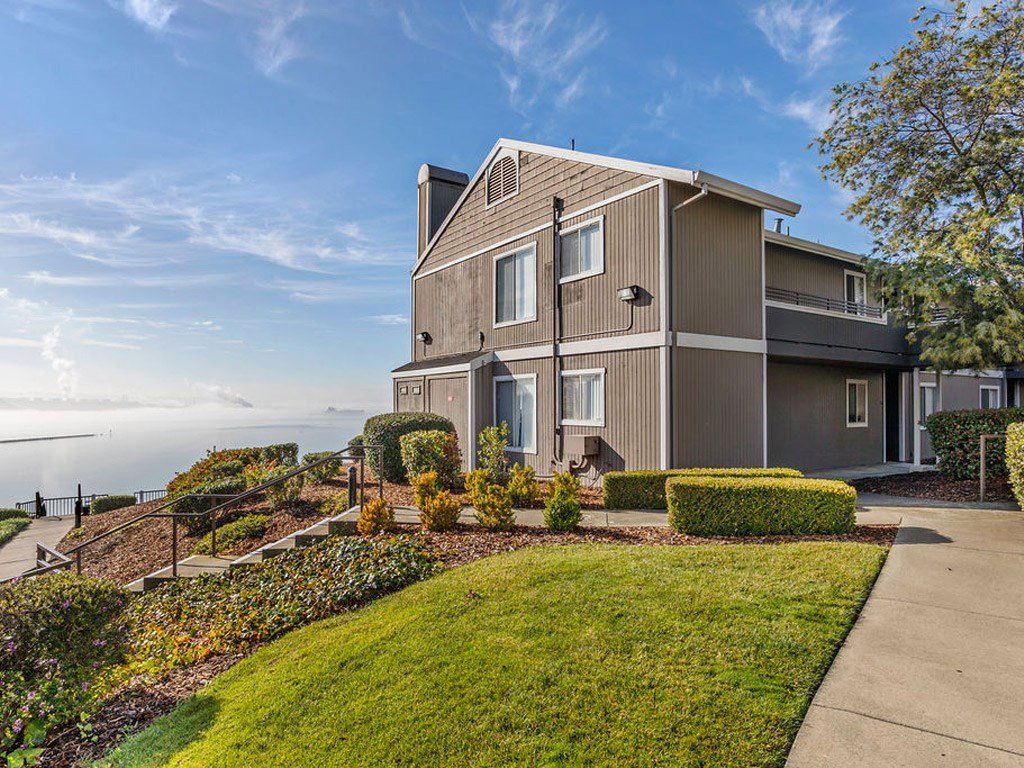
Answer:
(222, 394)
(813, 111)
(351, 229)
(63, 366)
(153, 14)
(277, 43)
(17, 341)
(45, 277)
(110, 344)
(801, 32)
(390, 319)
(543, 45)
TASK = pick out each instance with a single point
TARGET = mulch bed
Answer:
(935, 485)
(140, 703)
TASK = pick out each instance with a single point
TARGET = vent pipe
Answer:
(778, 225)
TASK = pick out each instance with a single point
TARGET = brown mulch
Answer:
(140, 703)
(935, 485)
(128, 712)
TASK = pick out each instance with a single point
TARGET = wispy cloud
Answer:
(543, 46)
(390, 319)
(18, 341)
(152, 14)
(277, 43)
(221, 394)
(44, 277)
(813, 111)
(110, 344)
(803, 33)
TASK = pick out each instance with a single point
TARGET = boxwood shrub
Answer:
(956, 439)
(323, 472)
(386, 429)
(110, 503)
(1015, 459)
(8, 514)
(756, 506)
(645, 489)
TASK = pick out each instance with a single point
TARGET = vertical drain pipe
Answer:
(556, 329)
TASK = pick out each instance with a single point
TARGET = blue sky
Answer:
(215, 199)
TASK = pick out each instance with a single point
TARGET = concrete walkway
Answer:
(19, 554)
(932, 673)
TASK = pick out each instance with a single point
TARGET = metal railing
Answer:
(48, 560)
(64, 506)
(824, 303)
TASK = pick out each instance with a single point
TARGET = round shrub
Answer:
(229, 468)
(248, 527)
(645, 488)
(286, 454)
(562, 508)
(523, 487)
(375, 516)
(322, 472)
(110, 503)
(491, 502)
(61, 633)
(1015, 459)
(440, 512)
(431, 450)
(202, 523)
(386, 429)
(956, 439)
(759, 506)
(355, 446)
(9, 514)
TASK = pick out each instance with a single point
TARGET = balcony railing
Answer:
(823, 303)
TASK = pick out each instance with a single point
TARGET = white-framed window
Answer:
(856, 292)
(582, 250)
(856, 403)
(515, 286)
(502, 180)
(989, 396)
(583, 397)
(515, 404)
(927, 402)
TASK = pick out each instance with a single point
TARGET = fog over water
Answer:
(141, 448)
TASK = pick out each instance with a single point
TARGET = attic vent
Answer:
(502, 177)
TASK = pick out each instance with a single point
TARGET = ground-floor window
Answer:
(856, 403)
(583, 398)
(515, 404)
(989, 397)
(927, 402)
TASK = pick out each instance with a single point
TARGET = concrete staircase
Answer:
(198, 565)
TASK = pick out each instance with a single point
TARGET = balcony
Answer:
(823, 304)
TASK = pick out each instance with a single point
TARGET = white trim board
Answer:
(883, 320)
(458, 368)
(723, 343)
(695, 178)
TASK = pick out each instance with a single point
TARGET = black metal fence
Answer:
(64, 506)
(824, 303)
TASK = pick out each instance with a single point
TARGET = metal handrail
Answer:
(174, 516)
(840, 306)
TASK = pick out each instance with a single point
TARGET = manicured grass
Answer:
(12, 527)
(583, 655)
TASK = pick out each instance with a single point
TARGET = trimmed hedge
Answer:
(110, 503)
(431, 450)
(956, 438)
(8, 514)
(11, 527)
(247, 527)
(386, 429)
(1015, 459)
(645, 489)
(759, 506)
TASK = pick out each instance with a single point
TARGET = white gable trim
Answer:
(695, 178)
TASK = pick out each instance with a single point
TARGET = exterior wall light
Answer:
(629, 293)
(424, 337)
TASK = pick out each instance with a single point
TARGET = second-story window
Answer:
(856, 293)
(515, 286)
(582, 250)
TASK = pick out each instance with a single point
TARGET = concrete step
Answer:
(190, 567)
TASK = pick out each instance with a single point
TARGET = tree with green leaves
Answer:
(931, 146)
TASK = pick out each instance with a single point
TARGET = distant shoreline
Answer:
(37, 439)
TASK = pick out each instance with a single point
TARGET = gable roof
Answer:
(695, 178)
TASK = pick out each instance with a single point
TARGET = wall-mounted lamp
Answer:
(424, 337)
(629, 293)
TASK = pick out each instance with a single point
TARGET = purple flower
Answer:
(85, 686)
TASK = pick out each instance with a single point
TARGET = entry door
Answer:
(449, 397)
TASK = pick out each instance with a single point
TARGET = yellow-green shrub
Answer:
(440, 512)
(431, 450)
(755, 506)
(1015, 459)
(375, 516)
(492, 503)
(523, 488)
(562, 508)
(424, 487)
(645, 489)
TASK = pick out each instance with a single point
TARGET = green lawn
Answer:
(11, 527)
(584, 655)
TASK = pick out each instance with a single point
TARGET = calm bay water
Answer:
(142, 448)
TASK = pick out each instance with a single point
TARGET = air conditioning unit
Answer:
(582, 445)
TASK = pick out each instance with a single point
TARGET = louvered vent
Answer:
(502, 179)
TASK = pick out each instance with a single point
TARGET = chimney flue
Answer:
(778, 225)
(439, 189)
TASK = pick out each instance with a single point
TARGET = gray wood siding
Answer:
(629, 439)
(807, 417)
(448, 396)
(716, 265)
(455, 304)
(718, 418)
(405, 396)
(540, 178)
(795, 270)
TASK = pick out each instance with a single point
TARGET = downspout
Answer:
(556, 330)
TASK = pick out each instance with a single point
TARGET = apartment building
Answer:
(616, 314)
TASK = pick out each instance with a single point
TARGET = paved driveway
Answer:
(19, 554)
(932, 674)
